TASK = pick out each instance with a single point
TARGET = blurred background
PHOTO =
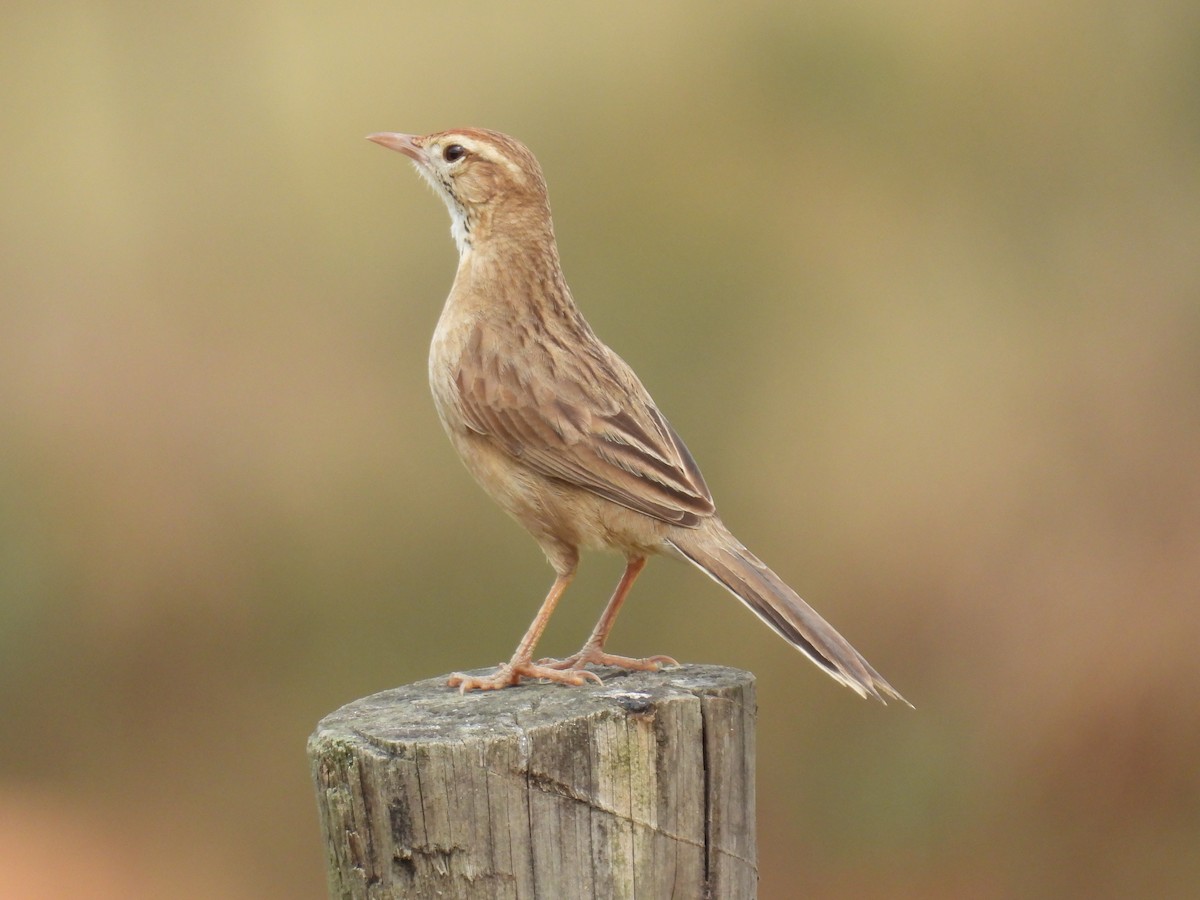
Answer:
(918, 283)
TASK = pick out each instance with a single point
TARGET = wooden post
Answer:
(642, 787)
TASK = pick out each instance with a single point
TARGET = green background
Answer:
(919, 283)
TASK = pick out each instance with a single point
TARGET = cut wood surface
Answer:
(642, 787)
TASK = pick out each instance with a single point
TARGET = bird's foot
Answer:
(510, 673)
(597, 657)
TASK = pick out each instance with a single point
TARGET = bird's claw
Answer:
(510, 674)
(595, 657)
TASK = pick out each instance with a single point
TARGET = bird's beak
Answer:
(404, 143)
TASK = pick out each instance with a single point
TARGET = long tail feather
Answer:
(718, 553)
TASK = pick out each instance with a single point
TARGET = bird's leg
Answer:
(593, 649)
(521, 665)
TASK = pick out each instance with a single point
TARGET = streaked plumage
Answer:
(559, 430)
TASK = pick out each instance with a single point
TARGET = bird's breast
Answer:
(445, 358)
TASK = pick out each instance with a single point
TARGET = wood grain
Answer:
(640, 788)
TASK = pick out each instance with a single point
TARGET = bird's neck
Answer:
(513, 265)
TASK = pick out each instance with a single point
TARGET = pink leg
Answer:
(521, 665)
(593, 649)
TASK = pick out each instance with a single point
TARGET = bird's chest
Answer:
(483, 360)
(446, 354)
(463, 362)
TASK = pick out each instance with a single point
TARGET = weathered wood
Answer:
(640, 788)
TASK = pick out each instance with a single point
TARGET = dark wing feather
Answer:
(583, 418)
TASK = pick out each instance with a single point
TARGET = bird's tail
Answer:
(715, 550)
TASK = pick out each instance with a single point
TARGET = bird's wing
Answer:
(583, 418)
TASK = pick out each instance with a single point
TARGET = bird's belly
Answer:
(555, 513)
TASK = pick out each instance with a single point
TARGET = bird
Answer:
(561, 433)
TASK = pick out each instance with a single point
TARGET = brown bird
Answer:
(559, 430)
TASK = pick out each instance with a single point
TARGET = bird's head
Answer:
(481, 175)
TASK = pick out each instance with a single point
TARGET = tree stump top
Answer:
(430, 711)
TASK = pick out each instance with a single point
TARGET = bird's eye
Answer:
(454, 152)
